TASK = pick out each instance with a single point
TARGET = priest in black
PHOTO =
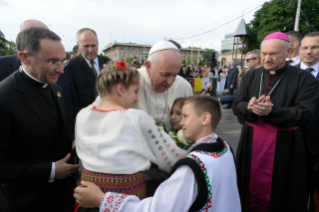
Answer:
(79, 78)
(275, 101)
(35, 144)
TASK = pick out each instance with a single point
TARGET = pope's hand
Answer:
(63, 169)
(263, 109)
(88, 195)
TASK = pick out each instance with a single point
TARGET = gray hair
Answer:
(286, 44)
(29, 39)
(255, 53)
(82, 30)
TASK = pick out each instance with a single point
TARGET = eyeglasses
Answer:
(52, 63)
(247, 60)
(311, 48)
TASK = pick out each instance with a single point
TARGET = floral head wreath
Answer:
(120, 65)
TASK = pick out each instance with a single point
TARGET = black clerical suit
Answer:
(8, 65)
(79, 85)
(33, 132)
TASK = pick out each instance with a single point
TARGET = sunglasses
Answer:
(247, 60)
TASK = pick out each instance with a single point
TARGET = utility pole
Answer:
(297, 16)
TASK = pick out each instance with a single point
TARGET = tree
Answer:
(207, 54)
(129, 60)
(190, 60)
(7, 48)
(279, 15)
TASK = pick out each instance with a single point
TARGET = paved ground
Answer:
(229, 129)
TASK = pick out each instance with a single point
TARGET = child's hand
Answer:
(88, 195)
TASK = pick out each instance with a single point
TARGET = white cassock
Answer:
(158, 105)
(179, 192)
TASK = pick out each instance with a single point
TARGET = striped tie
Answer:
(92, 68)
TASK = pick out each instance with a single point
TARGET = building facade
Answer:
(121, 51)
(227, 43)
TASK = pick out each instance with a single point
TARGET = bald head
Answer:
(32, 23)
(162, 68)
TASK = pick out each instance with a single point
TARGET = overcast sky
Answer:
(139, 21)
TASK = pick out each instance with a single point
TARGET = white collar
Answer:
(297, 59)
(315, 67)
(35, 79)
(96, 60)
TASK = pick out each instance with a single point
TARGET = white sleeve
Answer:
(52, 175)
(156, 144)
(177, 193)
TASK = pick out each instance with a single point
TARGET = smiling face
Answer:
(191, 122)
(163, 68)
(40, 68)
(176, 116)
(273, 54)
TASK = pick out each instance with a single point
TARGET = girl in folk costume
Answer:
(117, 143)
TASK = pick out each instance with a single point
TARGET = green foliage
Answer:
(129, 60)
(279, 15)
(207, 54)
(190, 60)
(7, 48)
(184, 62)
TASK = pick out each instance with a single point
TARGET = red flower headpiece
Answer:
(120, 65)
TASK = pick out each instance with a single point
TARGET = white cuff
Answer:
(52, 173)
(115, 201)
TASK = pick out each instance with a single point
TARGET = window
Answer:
(132, 49)
(137, 49)
(137, 55)
(126, 48)
(121, 54)
(121, 47)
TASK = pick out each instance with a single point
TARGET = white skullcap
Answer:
(162, 45)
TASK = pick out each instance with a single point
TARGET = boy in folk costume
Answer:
(203, 180)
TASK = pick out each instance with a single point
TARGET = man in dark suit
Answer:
(35, 145)
(79, 78)
(309, 53)
(231, 80)
(11, 63)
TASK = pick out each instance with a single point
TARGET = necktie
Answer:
(309, 70)
(92, 68)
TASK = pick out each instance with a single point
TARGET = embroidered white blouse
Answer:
(179, 192)
(123, 141)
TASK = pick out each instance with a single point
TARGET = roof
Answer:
(1, 34)
(146, 46)
(241, 29)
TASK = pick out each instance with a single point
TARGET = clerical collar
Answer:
(43, 85)
(273, 72)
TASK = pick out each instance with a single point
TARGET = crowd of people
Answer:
(93, 134)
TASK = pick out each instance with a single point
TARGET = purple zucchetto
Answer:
(277, 35)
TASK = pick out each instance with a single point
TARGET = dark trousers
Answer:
(230, 93)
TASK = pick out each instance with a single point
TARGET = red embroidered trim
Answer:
(107, 111)
(267, 85)
(292, 117)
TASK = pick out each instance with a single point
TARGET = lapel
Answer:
(84, 67)
(58, 98)
(32, 101)
(14, 64)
